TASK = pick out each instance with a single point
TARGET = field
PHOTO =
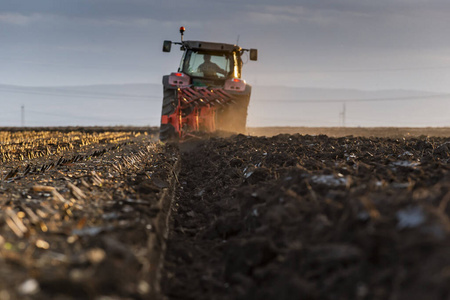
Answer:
(110, 213)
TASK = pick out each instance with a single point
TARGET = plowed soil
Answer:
(311, 217)
(110, 213)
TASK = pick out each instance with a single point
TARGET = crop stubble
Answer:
(80, 213)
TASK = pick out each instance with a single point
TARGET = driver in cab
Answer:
(210, 69)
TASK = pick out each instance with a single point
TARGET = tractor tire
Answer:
(169, 102)
(167, 131)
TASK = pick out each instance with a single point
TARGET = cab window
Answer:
(208, 65)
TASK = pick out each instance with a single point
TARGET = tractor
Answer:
(207, 93)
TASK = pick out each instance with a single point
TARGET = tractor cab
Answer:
(210, 64)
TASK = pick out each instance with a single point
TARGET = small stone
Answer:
(96, 255)
(29, 287)
(143, 287)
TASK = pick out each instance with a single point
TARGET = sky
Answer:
(355, 44)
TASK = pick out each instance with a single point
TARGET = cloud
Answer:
(18, 19)
(202, 10)
(270, 18)
(291, 34)
(306, 14)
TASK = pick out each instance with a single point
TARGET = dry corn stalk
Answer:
(15, 223)
(76, 191)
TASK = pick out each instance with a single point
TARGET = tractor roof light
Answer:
(182, 30)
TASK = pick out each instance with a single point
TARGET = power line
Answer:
(82, 95)
(370, 70)
(357, 100)
(65, 92)
(404, 118)
(105, 67)
(68, 115)
(92, 118)
(259, 118)
(71, 90)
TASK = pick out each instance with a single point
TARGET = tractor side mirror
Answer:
(167, 46)
(253, 54)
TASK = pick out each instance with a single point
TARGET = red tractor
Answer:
(207, 92)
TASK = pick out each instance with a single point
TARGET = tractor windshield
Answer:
(208, 65)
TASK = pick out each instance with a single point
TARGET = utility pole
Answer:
(23, 115)
(342, 115)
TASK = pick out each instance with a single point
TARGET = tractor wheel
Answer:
(169, 102)
(167, 131)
